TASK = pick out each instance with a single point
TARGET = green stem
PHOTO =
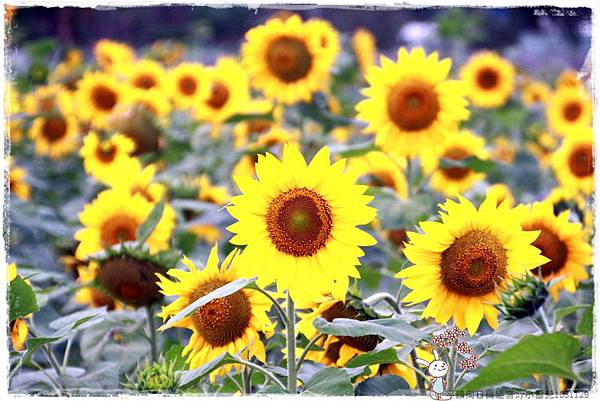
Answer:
(307, 349)
(67, 352)
(291, 344)
(420, 379)
(152, 329)
(268, 374)
(452, 361)
(278, 307)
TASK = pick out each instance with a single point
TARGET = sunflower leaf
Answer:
(382, 385)
(189, 377)
(374, 357)
(21, 298)
(395, 330)
(329, 381)
(236, 118)
(561, 313)
(145, 229)
(586, 325)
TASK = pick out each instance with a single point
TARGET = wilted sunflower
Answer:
(535, 93)
(490, 79)
(18, 181)
(97, 96)
(453, 180)
(381, 170)
(88, 293)
(55, 136)
(187, 84)
(569, 108)
(114, 217)
(299, 224)
(286, 60)
(573, 162)
(230, 324)
(106, 159)
(46, 99)
(365, 48)
(111, 55)
(146, 74)
(562, 242)
(410, 105)
(461, 263)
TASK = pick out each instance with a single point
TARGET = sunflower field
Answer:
(224, 201)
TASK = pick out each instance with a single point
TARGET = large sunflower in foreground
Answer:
(573, 162)
(461, 263)
(114, 217)
(97, 95)
(490, 79)
(230, 324)
(286, 60)
(411, 105)
(298, 223)
(55, 136)
(108, 159)
(187, 85)
(569, 108)
(562, 242)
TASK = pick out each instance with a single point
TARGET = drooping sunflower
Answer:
(55, 136)
(411, 105)
(152, 100)
(573, 162)
(490, 79)
(535, 93)
(454, 180)
(329, 38)
(88, 294)
(18, 181)
(108, 159)
(298, 223)
(97, 95)
(286, 60)
(187, 84)
(365, 48)
(111, 55)
(462, 262)
(146, 74)
(230, 324)
(562, 242)
(114, 217)
(381, 170)
(568, 108)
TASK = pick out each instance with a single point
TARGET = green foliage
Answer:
(395, 330)
(21, 299)
(329, 382)
(586, 325)
(145, 229)
(382, 386)
(158, 377)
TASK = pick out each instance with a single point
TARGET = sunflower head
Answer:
(187, 85)
(569, 108)
(365, 48)
(535, 93)
(107, 158)
(490, 79)
(55, 135)
(573, 162)
(97, 95)
(154, 378)
(112, 55)
(523, 297)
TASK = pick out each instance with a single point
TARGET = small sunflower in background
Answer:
(452, 180)
(286, 60)
(97, 96)
(568, 108)
(299, 224)
(490, 79)
(55, 136)
(535, 93)
(140, 181)
(411, 105)
(187, 84)
(152, 100)
(462, 262)
(381, 170)
(12, 108)
(207, 192)
(88, 293)
(500, 192)
(111, 55)
(568, 79)
(504, 150)
(47, 99)
(106, 159)
(145, 74)
(573, 162)
(329, 38)
(231, 324)
(543, 146)
(18, 181)
(365, 48)
(562, 242)
(245, 131)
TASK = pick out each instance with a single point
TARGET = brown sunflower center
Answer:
(106, 154)
(219, 95)
(572, 111)
(474, 264)
(488, 78)
(413, 105)
(144, 81)
(455, 173)
(104, 98)
(341, 310)
(382, 179)
(581, 161)
(188, 85)
(116, 229)
(299, 222)
(54, 128)
(398, 236)
(100, 299)
(289, 59)
(46, 104)
(258, 126)
(552, 247)
(222, 320)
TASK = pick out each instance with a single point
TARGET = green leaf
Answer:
(560, 313)
(189, 377)
(329, 381)
(395, 330)
(174, 355)
(586, 325)
(548, 354)
(21, 298)
(471, 162)
(33, 344)
(146, 228)
(236, 118)
(220, 292)
(355, 150)
(381, 385)
(374, 357)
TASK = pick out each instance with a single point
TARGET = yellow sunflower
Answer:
(187, 84)
(152, 100)
(55, 136)
(88, 294)
(46, 99)
(231, 324)
(207, 192)
(454, 180)
(208, 233)
(365, 48)
(328, 36)
(562, 242)
(410, 105)
(573, 162)
(108, 159)
(568, 108)
(568, 78)
(543, 147)
(139, 180)
(490, 79)
(111, 55)
(18, 181)
(114, 217)
(97, 95)
(146, 74)
(382, 170)
(299, 224)
(504, 150)
(535, 93)
(13, 128)
(245, 130)
(286, 60)
(461, 263)
(501, 192)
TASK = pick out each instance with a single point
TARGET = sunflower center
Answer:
(46, 104)
(223, 320)
(474, 264)
(104, 98)
(340, 310)
(581, 161)
(488, 78)
(54, 128)
(456, 173)
(219, 95)
(118, 229)
(258, 126)
(106, 153)
(100, 299)
(289, 59)
(413, 105)
(551, 247)
(299, 222)
(144, 81)
(188, 85)
(572, 111)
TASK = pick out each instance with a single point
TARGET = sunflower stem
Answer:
(307, 349)
(278, 307)
(267, 373)
(152, 329)
(420, 379)
(291, 344)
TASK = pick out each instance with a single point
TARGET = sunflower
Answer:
(382, 171)
(146, 74)
(13, 128)
(18, 181)
(208, 233)
(568, 108)
(55, 136)
(535, 93)
(365, 48)
(568, 78)
(152, 100)
(543, 147)
(461, 263)
(573, 162)
(97, 95)
(504, 150)
(114, 217)
(411, 106)
(207, 192)
(46, 99)
(501, 192)
(187, 84)
(112, 56)
(299, 223)
(562, 242)
(328, 36)
(107, 160)
(245, 130)
(490, 79)
(231, 324)
(286, 60)
(455, 179)
(88, 294)
(139, 180)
